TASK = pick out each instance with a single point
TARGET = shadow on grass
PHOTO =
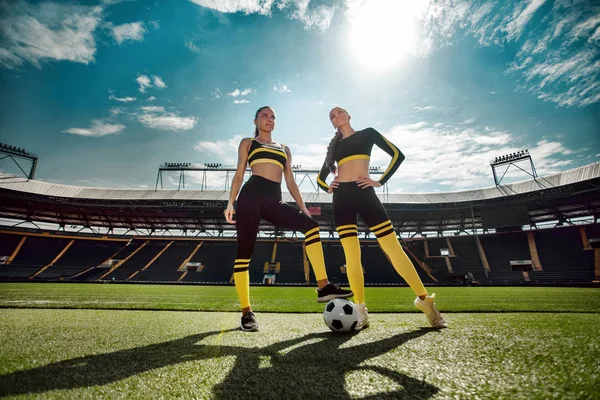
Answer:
(311, 366)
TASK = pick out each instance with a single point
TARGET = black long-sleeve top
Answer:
(359, 146)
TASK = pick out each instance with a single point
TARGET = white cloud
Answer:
(468, 121)
(216, 93)
(144, 83)
(242, 101)
(558, 60)
(423, 108)
(156, 117)
(153, 109)
(417, 125)
(238, 92)
(318, 17)
(222, 150)
(190, 45)
(47, 32)
(98, 128)
(515, 27)
(281, 88)
(151, 98)
(158, 82)
(127, 99)
(232, 6)
(117, 110)
(131, 32)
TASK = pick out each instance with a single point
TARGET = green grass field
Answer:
(81, 341)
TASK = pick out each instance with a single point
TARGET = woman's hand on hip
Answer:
(365, 182)
(333, 185)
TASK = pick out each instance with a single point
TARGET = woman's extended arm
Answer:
(397, 158)
(392, 150)
(238, 178)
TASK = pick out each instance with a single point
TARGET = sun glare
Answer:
(383, 32)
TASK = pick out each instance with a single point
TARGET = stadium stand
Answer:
(165, 266)
(8, 244)
(291, 259)
(502, 248)
(562, 257)
(217, 258)
(81, 256)
(334, 262)
(467, 258)
(564, 254)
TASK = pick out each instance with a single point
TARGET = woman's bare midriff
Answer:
(268, 171)
(350, 171)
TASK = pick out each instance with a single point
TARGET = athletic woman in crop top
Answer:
(260, 197)
(353, 192)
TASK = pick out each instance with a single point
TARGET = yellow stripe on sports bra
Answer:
(353, 157)
(278, 152)
(266, 160)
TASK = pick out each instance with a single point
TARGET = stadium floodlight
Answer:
(516, 156)
(509, 160)
(11, 151)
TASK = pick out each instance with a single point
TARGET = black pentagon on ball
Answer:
(347, 309)
(337, 324)
(353, 327)
(330, 306)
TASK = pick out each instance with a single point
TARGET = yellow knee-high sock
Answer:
(349, 238)
(391, 246)
(314, 251)
(241, 277)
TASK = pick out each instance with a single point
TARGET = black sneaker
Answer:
(331, 292)
(249, 323)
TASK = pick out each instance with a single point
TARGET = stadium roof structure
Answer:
(560, 197)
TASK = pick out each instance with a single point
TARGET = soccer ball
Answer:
(341, 315)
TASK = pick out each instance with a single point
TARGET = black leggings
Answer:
(261, 198)
(349, 199)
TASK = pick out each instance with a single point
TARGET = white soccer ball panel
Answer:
(340, 315)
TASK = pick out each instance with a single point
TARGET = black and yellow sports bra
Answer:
(267, 153)
(358, 147)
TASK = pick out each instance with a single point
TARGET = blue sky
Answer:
(104, 92)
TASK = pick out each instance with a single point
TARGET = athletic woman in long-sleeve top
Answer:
(353, 192)
(261, 198)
